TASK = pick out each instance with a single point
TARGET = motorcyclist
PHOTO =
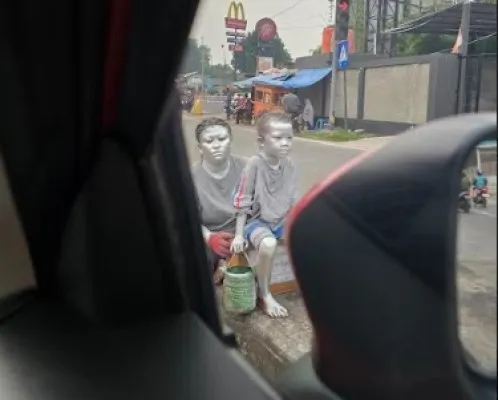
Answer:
(480, 181)
(244, 106)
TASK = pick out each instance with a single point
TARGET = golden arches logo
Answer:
(236, 11)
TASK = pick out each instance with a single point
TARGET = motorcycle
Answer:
(481, 196)
(187, 104)
(464, 201)
(245, 116)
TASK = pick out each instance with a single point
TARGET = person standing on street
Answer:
(308, 114)
(291, 103)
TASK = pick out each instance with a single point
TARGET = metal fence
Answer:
(481, 82)
(213, 104)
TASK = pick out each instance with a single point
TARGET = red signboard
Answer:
(235, 48)
(267, 29)
(232, 23)
(343, 5)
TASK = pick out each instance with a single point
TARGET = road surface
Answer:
(476, 236)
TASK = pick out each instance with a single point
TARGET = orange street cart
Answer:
(267, 98)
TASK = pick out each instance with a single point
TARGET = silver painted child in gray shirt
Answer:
(265, 194)
(215, 178)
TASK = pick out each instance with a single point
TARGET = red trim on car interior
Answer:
(117, 35)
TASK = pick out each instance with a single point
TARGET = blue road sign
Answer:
(343, 58)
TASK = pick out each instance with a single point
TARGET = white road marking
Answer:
(482, 212)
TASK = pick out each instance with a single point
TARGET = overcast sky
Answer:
(299, 23)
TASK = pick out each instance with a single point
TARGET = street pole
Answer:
(464, 29)
(333, 78)
(202, 66)
(345, 93)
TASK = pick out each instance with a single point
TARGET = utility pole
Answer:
(203, 55)
(333, 62)
(339, 15)
(464, 49)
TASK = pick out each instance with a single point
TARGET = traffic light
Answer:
(342, 19)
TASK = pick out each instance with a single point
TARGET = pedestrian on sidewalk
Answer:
(308, 114)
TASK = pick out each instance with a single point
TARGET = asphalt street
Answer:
(476, 235)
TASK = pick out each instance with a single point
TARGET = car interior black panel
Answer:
(300, 381)
(166, 172)
(38, 131)
(406, 345)
(109, 268)
(49, 353)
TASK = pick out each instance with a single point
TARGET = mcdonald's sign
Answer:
(236, 18)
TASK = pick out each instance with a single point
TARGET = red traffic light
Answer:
(343, 5)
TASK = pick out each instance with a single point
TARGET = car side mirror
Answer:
(374, 251)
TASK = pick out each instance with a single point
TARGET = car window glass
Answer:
(476, 267)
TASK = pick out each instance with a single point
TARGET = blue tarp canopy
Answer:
(245, 84)
(261, 79)
(302, 78)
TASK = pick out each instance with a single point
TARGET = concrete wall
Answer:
(388, 95)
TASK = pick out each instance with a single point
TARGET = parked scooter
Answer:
(481, 196)
(464, 201)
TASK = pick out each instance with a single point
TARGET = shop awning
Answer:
(302, 78)
(245, 84)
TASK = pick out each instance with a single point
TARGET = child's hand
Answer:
(238, 245)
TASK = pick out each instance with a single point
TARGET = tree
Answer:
(219, 71)
(317, 50)
(194, 56)
(245, 61)
(416, 44)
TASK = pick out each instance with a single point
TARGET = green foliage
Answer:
(245, 61)
(357, 22)
(219, 71)
(316, 51)
(337, 135)
(415, 44)
(196, 55)
(191, 58)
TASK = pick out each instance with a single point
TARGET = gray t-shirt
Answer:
(215, 196)
(265, 192)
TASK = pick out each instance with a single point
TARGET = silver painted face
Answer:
(215, 145)
(277, 142)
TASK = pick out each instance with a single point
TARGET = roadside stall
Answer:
(267, 98)
(268, 90)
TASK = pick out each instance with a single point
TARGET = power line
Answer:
(287, 9)
(471, 42)
(300, 27)
(305, 19)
